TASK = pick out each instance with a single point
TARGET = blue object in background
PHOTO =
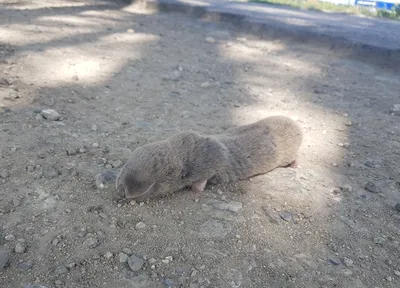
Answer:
(376, 4)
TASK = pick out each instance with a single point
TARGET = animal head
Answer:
(147, 173)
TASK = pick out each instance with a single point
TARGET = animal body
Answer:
(191, 159)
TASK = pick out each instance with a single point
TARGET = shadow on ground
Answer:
(121, 77)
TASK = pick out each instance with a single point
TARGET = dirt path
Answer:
(119, 77)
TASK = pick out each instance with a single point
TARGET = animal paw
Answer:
(199, 186)
(294, 164)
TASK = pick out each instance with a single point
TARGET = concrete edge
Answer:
(379, 56)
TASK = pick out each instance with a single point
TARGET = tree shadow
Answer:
(117, 89)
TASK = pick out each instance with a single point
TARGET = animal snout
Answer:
(120, 192)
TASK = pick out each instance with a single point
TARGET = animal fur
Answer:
(191, 159)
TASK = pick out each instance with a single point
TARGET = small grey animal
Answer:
(191, 159)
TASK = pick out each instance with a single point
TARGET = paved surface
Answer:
(377, 36)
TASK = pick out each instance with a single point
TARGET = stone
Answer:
(168, 283)
(214, 229)
(91, 243)
(60, 270)
(96, 256)
(210, 39)
(348, 262)
(346, 188)
(234, 278)
(16, 202)
(140, 281)
(4, 174)
(397, 207)
(334, 261)
(58, 283)
(108, 255)
(50, 114)
(25, 266)
(39, 117)
(4, 258)
(127, 251)
(19, 248)
(140, 225)
(232, 206)
(286, 215)
(10, 237)
(135, 263)
(395, 110)
(93, 127)
(106, 179)
(117, 164)
(122, 257)
(34, 286)
(371, 187)
(55, 241)
(72, 152)
(50, 172)
(379, 240)
(270, 215)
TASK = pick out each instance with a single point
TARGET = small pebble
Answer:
(4, 258)
(379, 240)
(30, 168)
(397, 273)
(4, 174)
(140, 225)
(16, 202)
(58, 283)
(96, 256)
(210, 40)
(50, 114)
(71, 152)
(117, 164)
(24, 266)
(285, 215)
(344, 145)
(397, 207)
(127, 251)
(135, 263)
(348, 262)
(95, 145)
(61, 270)
(94, 127)
(169, 258)
(55, 241)
(371, 187)
(123, 257)
(130, 31)
(108, 255)
(92, 242)
(19, 248)
(10, 237)
(334, 261)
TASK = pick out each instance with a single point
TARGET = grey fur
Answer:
(191, 159)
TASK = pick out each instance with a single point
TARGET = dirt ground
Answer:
(120, 77)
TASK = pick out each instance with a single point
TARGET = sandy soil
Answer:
(120, 77)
